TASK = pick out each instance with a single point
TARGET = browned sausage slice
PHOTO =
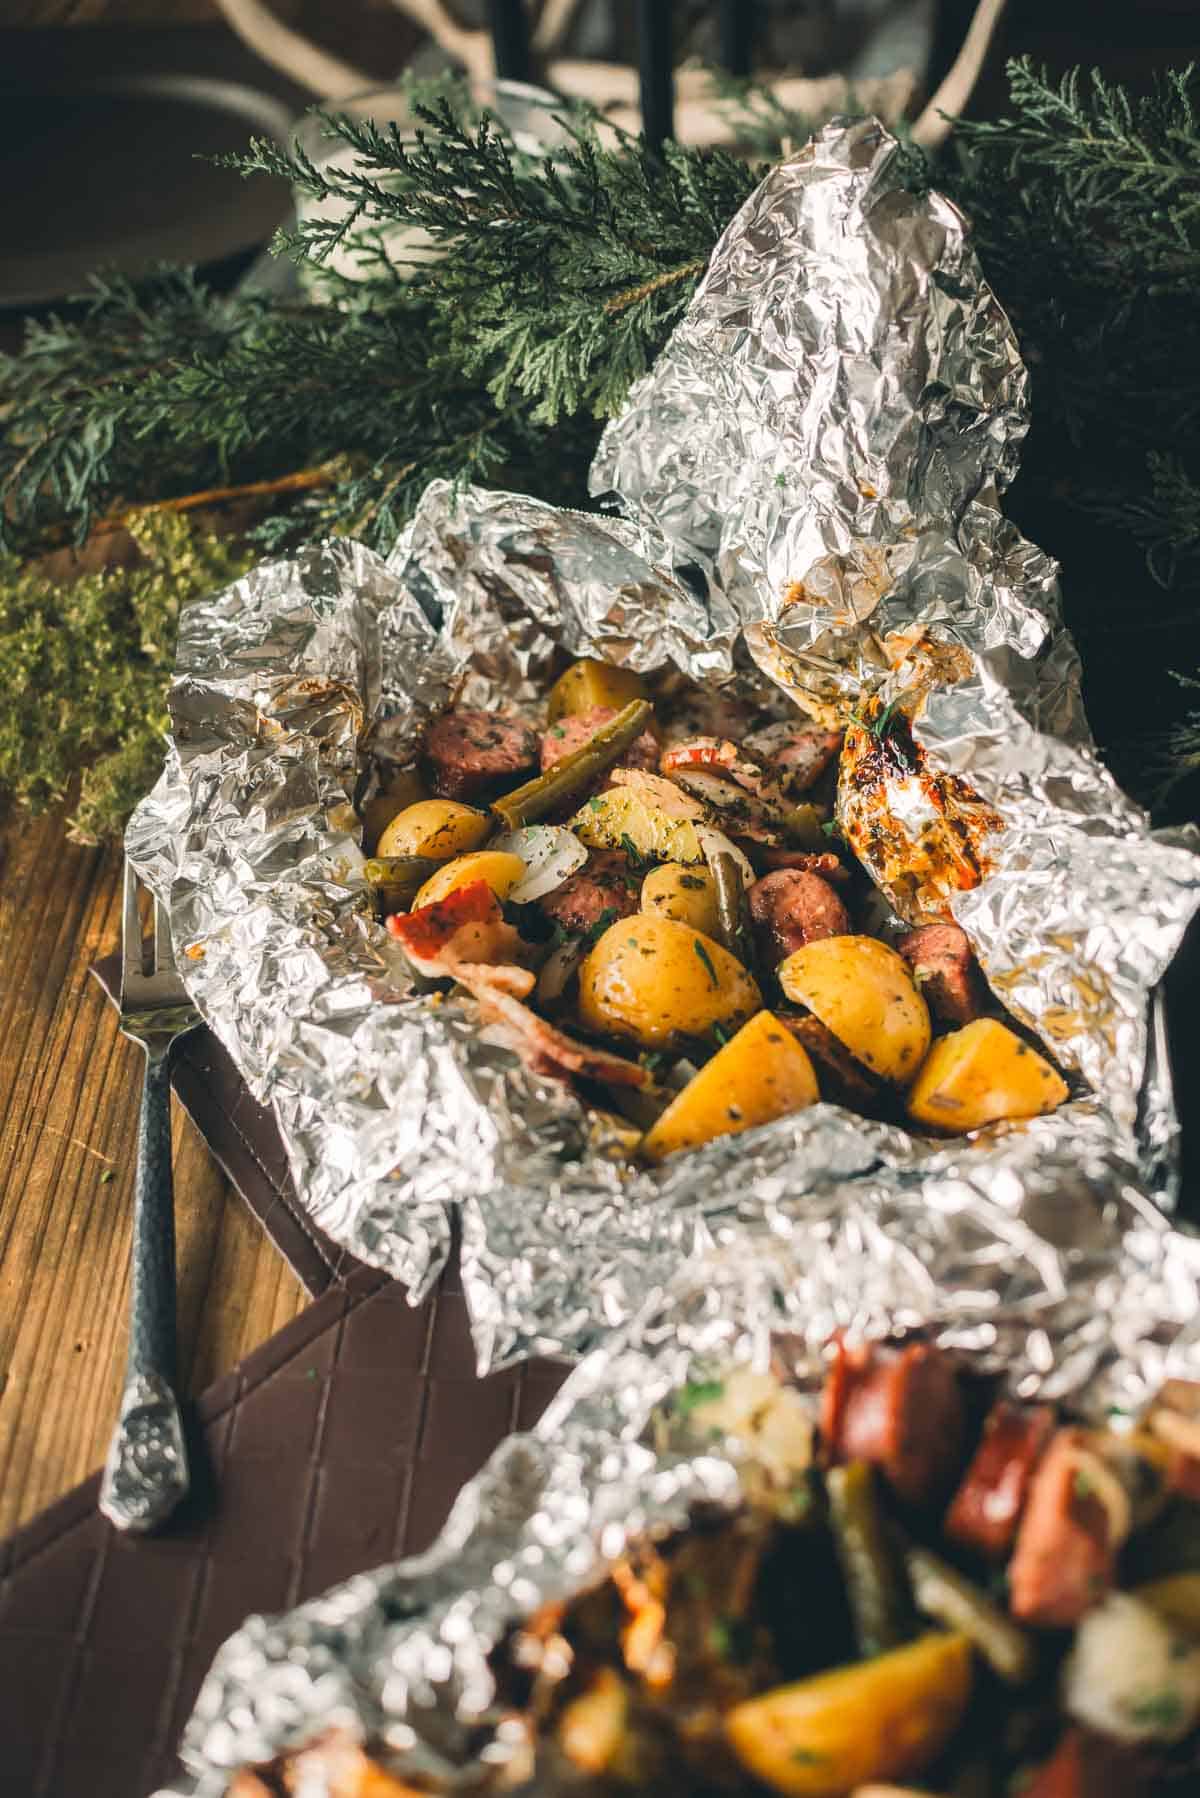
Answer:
(605, 883)
(843, 1080)
(473, 754)
(901, 1410)
(791, 908)
(1063, 1561)
(988, 1504)
(573, 731)
(940, 956)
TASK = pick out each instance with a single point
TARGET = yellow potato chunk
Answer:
(687, 894)
(435, 828)
(980, 1073)
(864, 993)
(590, 683)
(760, 1074)
(876, 1720)
(628, 815)
(654, 980)
(500, 871)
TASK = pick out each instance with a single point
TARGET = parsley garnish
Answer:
(652, 1060)
(1161, 1711)
(722, 1036)
(829, 828)
(631, 849)
(595, 805)
(706, 958)
(697, 1392)
(608, 916)
(731, 1639)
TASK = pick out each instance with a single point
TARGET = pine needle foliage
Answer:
(556, 281)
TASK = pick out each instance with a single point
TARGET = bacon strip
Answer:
(542, 1047)
(465, 930)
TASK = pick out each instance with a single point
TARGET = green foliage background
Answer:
(557, 285)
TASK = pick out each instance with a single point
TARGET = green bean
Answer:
(942, 1593)
(733, 907)
(393, 879)
(878, 1604)
(569, 777)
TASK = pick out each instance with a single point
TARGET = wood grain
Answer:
(69, 1093)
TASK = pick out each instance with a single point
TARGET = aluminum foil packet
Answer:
(400, 1658)
(809, 483)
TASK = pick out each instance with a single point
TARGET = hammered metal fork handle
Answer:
(146, 1473)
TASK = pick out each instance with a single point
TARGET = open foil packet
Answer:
(399, 1657)
(809, 478)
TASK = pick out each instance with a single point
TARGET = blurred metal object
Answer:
(134, 208)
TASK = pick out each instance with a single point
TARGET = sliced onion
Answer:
(557, 970)
(715, 842)
(551, 854)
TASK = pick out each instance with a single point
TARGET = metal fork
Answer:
(146, 1473)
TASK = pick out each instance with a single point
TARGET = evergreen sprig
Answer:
(557, 280)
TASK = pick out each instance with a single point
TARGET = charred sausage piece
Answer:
(941, 958)
(799, 753)
(476, 755)
(843, 1080)
(1063, 1561)
(1088, 1765)
(902, 1411)
(573, 731)
(826, 864)
(988, 1504)
(603, 884)
(791, 908)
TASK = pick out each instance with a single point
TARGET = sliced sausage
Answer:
(791, 908)
(940, 955)
(800, 753)
(1089, 1765)
(988, 1504)
(843, 1080)
(573, 731)
(899, 1409)
(1063, 1561)
(473, 754)
(605, 883)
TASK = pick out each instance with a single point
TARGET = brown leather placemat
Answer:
(339, 1444)
(245, 1141)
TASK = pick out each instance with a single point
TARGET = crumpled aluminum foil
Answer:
(810, 474)
(399, 1657)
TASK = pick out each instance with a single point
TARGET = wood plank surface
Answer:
(69, 1092)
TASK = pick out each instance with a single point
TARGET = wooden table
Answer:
(69, 1092)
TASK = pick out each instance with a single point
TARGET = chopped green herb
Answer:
(808, 1757)
(1083, 1487)
(107, 1177)
(706, 958)
(631, 849)
(652, 1060)
(1161, 1711)
(697, 1392)
(721, 1035)
(829, 828)
(592, 935)
(595, 805)
(731, 1639)
(556, 730)
(781, 479)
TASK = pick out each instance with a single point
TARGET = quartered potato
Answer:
(875, 1720)
(500, 871)
(591, 683)
(864, 993)
(629, 818)
(654, 980)
(979, 1074)
(687, 894)
(761, 1074)
(436, 829)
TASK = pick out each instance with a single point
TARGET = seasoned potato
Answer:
(590, 683)
(654, 979)
(500, 871)
(404, 788)
(436, 829)
(980, 1073)
(686, 894)
(631, 817)
(760, 1074)
(864, 993)
(877, 1719)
